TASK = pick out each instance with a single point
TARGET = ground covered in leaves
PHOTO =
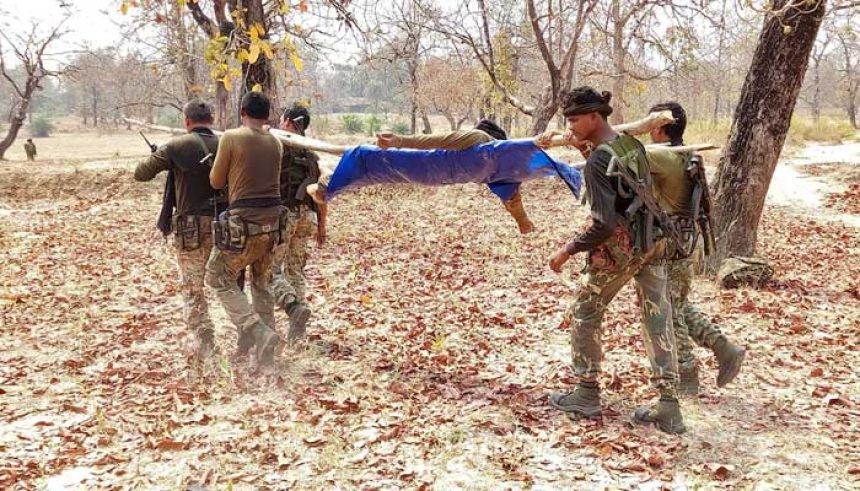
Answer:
(435, 341)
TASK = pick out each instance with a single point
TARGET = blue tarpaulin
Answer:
(502, 165)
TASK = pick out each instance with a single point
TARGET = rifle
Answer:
(644, 198)
(700, 202)
(152, 148)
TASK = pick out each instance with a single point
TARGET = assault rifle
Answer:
(644, 198)
(700, 202)
(152, 148)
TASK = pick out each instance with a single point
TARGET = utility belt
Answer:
(188, 230)
(230, 232)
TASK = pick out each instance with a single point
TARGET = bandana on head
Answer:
(590, 103)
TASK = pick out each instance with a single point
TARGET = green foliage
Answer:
(400, 127)
(41, 127)
(352, 124)
(374, 124)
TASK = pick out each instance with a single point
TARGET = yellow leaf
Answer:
(285, 8)
(236, 72)
(181, 3)
(242, 55)
(257, 88)
(228, 82)
(254, 53)
(297, 62)
(267, 49)
(123, 8)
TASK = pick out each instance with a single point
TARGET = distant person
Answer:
(30, 148)
(305, 218)
(187, 190)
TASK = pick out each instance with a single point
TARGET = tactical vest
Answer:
(299, 168)
(630, 154)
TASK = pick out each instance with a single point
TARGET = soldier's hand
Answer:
(556, 262)
(544, 140)
(386, 140)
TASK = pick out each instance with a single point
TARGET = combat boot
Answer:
(205, 343)
(666, 414)
(688, 380)
(266, 341)
(730, 357)
(299, 315)
(583, 400)
(246, 342)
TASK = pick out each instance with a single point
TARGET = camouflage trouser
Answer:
(223, 268)
(690, 324)
(609, 268)
(192, 269)
(288, 277)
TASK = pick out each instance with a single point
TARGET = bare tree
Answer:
(555, 26)
(451, 87)
(30, 50)
(847, 37)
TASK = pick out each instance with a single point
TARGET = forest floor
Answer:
(435, 341)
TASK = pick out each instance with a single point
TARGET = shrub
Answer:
(321, 125)
(41, 127)
(400, 127)
(374, 123)
(352, 124)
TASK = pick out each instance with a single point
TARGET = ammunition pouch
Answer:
(188, 231)
(230, 232)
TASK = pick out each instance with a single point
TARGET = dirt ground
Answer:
(435, 341)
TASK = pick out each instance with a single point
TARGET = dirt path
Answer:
(435, 341)
(795, 189)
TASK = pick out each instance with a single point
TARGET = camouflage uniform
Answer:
(288, 277)
(609, 267)
(223, 268)
(30, 150)
(187, 190)
(192, 270)
(690, 324)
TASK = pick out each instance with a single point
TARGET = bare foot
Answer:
(316, 193)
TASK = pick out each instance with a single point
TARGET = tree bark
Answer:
(759, 127)
(14, 127)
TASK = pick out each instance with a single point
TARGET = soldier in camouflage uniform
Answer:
(249, 160)
(299, 168)
(188, 191)
(616, 253)
(30, 149)
(689, 324)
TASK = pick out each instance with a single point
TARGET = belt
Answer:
(256, 229)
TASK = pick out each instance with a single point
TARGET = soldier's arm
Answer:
(157, 162)
(218, 174)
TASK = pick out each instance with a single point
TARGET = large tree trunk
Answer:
(14, 126)
(759, 127)
(619, 80)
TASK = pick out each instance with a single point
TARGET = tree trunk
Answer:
(94, 105)
(619, 80)
(759, 127)
(852, 111)
(426, 122)
(261, 71)
(14, 126)
(222, 101)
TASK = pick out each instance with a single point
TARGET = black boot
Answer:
(583, 400)
(666, 414)
(266, 341)
(688, 382)
(205, 343)
(730, 357)
(246, 342)
(299, 315)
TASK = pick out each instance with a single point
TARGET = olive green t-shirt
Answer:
(249, 160)
(672, 186)
(455, 140)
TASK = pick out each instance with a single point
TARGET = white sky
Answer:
(92, 22)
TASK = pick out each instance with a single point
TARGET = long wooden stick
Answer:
(290, 139)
